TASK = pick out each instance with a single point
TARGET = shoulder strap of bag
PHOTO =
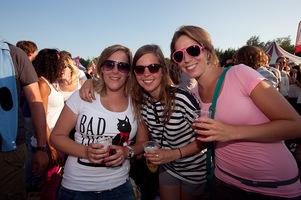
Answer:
(216, 91)
(210, 145)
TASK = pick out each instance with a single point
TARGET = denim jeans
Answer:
(122, 192)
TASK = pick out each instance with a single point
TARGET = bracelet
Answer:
(180, 152)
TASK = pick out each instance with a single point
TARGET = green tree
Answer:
(255, 41)
(223, 56)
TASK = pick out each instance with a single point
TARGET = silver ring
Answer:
(120, 158)
(91, 155)
(157, 155)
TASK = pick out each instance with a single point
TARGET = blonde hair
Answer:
(69, 62)
(100, 88)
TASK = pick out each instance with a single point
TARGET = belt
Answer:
(261, 184)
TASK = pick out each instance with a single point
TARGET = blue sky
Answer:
(85, 28)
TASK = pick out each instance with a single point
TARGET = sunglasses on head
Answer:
(108, 65)
(152, 68)
(193, 51)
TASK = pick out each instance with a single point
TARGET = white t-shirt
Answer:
(95, 122)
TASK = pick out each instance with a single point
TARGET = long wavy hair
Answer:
(167, 93)
(100, 88)
(200, 36)
(47, 64)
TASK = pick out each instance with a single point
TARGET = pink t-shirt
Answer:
(257, 161)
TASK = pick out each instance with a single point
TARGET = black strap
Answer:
(261, 184)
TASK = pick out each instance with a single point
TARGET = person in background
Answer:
(49, 68)
(251, 121)
(295, 86)
(282, 65)
(167, 112)
(255, 58)
(68, 81)
(229, 62)
(275, 71)
(22, 76)
(29, 47)
(92, 170)
(32, 182)
(89, 72)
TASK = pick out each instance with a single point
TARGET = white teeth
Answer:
(191, 67)
(149, 81)
(114, 78)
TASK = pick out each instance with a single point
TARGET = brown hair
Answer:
(167, 93)
(27, 46)
(47, 64)
(200, 36)
(251, 56)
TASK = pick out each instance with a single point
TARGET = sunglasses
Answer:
(152, 68)
(193, 51)
(108, 65)
(281, 63)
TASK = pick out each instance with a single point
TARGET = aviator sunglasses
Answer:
(108, 65)
(193, 51)
(152, 68)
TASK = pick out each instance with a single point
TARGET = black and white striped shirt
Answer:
(177, 133)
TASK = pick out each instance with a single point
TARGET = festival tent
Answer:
(274, 50)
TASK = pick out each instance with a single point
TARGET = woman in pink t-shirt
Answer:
(251, 121)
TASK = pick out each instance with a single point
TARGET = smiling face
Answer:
(114, 79)
(150, 82)
(192, 66)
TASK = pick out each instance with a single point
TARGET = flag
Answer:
(78, 64)
(298, 39)
(93, 66)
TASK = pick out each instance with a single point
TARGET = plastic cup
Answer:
(202, 113)
(105, 142)
(150, 145)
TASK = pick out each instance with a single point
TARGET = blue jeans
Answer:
(122, 192)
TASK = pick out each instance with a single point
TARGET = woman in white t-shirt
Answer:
(94, 171)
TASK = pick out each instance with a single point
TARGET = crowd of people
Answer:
(73, 136)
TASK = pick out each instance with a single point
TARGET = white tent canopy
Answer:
(274, 50)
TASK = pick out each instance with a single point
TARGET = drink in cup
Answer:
(150, 146)
(202, 113)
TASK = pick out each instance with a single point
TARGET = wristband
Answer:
(180, 152)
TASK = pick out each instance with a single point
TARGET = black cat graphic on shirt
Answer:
(124, 127)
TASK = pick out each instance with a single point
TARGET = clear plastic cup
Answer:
(202, 113)
(105, 142)
(150, 145)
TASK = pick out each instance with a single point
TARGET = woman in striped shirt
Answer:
(167, 112)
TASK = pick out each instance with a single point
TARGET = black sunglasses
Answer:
(192, 51)
(108, 65)
(152, 68)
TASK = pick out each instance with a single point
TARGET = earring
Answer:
(208, 62)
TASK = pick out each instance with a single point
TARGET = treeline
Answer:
(223, 55)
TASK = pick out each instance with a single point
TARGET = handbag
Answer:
(210, 166)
